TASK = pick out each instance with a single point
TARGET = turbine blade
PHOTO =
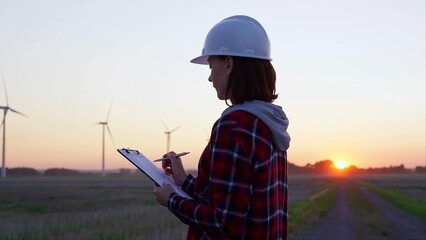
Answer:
(2, 123)
(13, 110)
(176, 128)
(165, 126)
(110, 134)
(5, 91)
(109, 111)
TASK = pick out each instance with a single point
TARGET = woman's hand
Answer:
(162, 194)
(173, 167)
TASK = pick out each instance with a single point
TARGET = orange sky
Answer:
(350, 77)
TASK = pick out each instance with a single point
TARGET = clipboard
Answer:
(150, 170)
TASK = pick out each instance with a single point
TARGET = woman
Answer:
(241, 188)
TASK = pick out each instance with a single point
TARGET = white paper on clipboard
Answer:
(150, 170)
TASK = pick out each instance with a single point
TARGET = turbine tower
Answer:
(105, 124)
(5, 110)
(168, 133)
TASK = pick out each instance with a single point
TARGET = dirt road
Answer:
(377, 220)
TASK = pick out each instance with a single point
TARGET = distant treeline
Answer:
(327, 166)
(23, 171)
(320, 167)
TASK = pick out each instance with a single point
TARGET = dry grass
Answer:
(302, 186)
(97, 208)
(121, 208)
(84, 208)
(411, 185)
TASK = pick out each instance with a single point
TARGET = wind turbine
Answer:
(5, 110)
(105, 124)
(168, 133)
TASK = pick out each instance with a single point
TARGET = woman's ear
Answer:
(229, 64)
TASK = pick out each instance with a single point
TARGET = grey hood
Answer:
(272, 115)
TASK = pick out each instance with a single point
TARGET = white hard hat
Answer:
(240, 36)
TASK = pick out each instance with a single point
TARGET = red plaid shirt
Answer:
(241, 188)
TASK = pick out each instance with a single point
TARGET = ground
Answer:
(345, 223)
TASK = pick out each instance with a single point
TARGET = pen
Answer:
(176, 155)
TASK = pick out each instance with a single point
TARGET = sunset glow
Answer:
(69, 64)
(340, 164)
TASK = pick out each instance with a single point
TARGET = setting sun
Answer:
(340, 164)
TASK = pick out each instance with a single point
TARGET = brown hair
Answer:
(251, 79)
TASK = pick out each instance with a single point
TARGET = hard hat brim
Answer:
(203, 58)
(200, 60)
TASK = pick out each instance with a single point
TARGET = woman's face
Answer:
(219, 74)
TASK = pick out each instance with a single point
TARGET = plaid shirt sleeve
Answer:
(223, 194)
(188, 185)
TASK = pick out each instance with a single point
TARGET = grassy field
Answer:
(407, 192)
(411, 185)
(123, 207)
(84, 208)
(312, 207)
